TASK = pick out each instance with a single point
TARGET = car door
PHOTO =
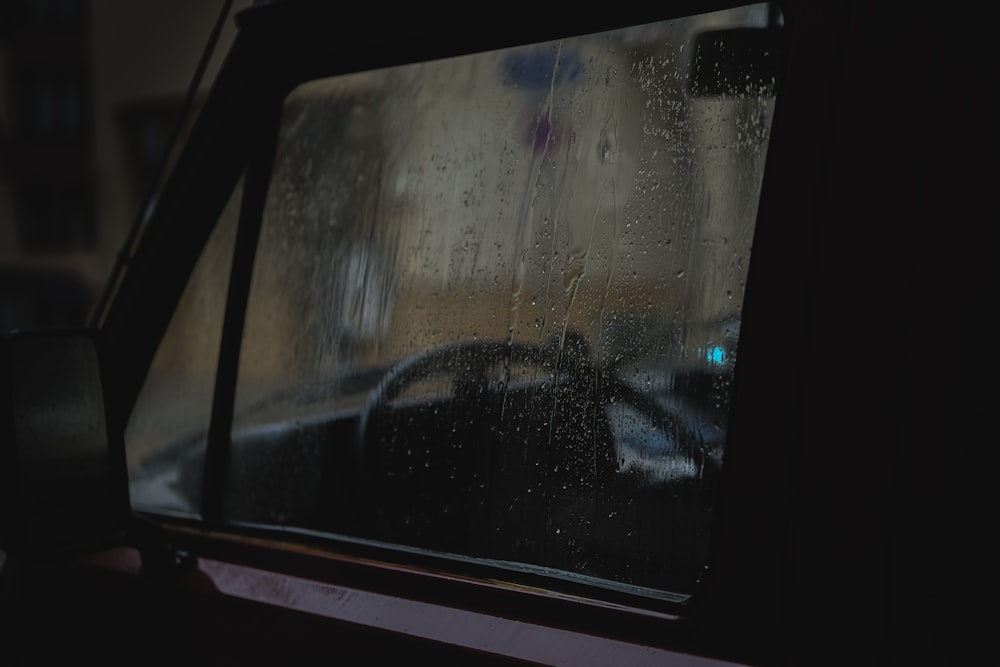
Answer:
(511, 347)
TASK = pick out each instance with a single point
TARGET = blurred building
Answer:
(90, 93)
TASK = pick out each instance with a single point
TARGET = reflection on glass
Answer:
(496, 303)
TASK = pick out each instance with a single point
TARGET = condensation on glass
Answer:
(495, 307)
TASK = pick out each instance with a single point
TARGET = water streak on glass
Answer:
(515, 277)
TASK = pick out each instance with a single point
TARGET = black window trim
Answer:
(255, 190)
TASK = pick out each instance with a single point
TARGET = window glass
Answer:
(167, 430)
(495, 307)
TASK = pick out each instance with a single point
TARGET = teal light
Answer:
(716, 355)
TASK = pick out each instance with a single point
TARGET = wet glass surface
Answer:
(495, 306)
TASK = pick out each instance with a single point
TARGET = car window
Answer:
(166, 432)
(494, 309)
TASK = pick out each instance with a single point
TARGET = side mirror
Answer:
(63, 481)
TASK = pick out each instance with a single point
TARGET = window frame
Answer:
(744, 595)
